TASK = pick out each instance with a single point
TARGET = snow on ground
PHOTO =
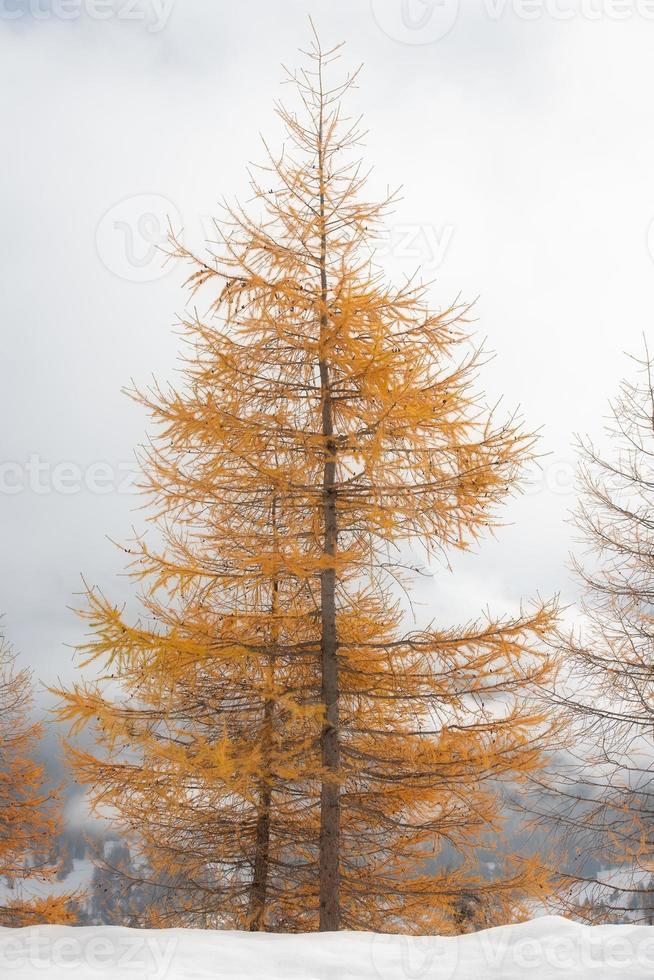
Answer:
(544, 949)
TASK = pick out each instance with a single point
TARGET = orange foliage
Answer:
(287, 753)
(27, 816)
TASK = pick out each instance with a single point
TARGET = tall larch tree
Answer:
(28, 810)
(303, 753)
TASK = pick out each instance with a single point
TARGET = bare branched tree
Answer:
(603, 796)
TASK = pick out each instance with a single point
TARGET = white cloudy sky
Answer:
(521, 132)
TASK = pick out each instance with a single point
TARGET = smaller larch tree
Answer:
(28, 810)
(599, 796)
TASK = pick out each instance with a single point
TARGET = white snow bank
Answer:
(543, 949)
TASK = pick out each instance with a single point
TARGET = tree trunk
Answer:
(259, 887)
(330, 808)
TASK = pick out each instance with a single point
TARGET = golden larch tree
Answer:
(288, 752)
(28, 810)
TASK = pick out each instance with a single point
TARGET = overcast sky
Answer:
(522, 134)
